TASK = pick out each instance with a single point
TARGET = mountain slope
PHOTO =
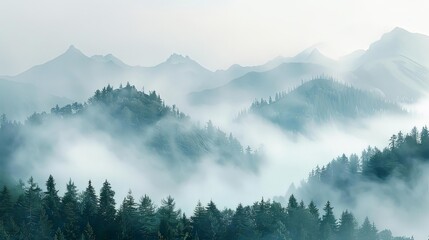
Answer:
(74, 75)
(19, 100)
(319, 101)
(396, 65)
(259, 84)
(135, 126)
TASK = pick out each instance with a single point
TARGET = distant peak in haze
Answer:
(399, 30)
(72, 51)
(178, 59)
(108, 58)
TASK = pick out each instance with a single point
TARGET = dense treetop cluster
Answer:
(34, 213)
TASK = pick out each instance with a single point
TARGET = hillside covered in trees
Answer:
(34, 213)
(319, 101)
(400, 166)
(133, 120)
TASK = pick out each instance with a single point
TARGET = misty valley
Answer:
(299, 148)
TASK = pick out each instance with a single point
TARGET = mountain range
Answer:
(395, 66)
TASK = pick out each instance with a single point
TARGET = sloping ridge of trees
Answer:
(403, 160)
(139, 119)
(320, 100)
(34, 213)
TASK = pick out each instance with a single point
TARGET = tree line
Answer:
(33, 213)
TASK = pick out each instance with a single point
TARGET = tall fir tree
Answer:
(169, 219)
(347, 226)
(89, 206)
(51, 203)
(148, 220)
(105, 227)
(70, 214)
(328, 224)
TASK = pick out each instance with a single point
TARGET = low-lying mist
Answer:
(72, 150)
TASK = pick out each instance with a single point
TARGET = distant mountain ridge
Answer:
(319, 101)
(260, 84)
(395, 66)
(19, 100)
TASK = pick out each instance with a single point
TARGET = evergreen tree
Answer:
(367, 231)
(51, 203)
(70, 212)
(30, 209)
(105, 227)
(329, 223)
(200, 222)
(128, 218)
(216, 227)
(169, 219)
(314, 222)
(148, 220)
(185, 228)
(347, 227)
(6, 205)
(88, 233)
(44, 230)
(89, 206)
(242, 226)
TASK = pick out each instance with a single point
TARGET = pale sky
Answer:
(215, 33)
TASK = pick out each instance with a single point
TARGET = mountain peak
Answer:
(399, 30)
(108, 58)
(178, 59)
(72, 51)
(396, 33)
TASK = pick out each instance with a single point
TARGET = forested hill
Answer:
(320, 100)
(44, 214)
(397, 172)
(135, 121)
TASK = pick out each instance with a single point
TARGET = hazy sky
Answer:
(216, 33)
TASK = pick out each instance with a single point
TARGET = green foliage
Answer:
(264, 220)
(320, 100)
(105, 226)
(132, 117)
(401, 160)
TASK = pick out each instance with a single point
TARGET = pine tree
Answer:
(185, 228)
(367, 231)
(51, 203)
(347, 227)
(6, 205)
(169, 219)
(217, 228)
(293, 223)
(200, 223)
(44, 230)
(105, 227)
(70, 212)
(242, 227)
(329, 223)
(89, 206)
(314, 222)
(30, 207)
(88, 233)
(128, 218)
(147, 219)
